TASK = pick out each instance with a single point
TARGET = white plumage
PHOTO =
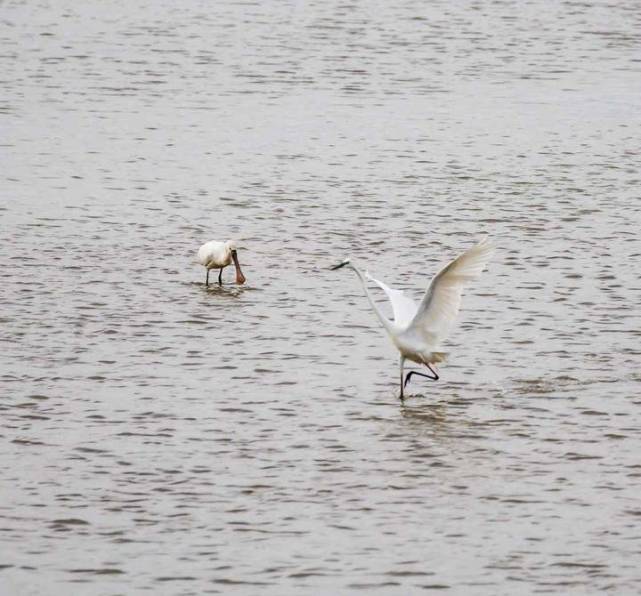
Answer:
(418, 330)
(217, 255)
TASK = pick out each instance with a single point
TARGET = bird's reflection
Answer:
(225, 291)
(424, 412)
(443, 420)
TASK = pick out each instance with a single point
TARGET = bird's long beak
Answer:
(240, 278)
(339, 265)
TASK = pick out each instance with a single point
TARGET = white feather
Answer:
(440, 305)
(403, 306)
(215, 254)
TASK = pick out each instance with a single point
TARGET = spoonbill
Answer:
(418, 330)
(216, 254)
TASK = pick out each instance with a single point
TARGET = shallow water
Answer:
(167, 438)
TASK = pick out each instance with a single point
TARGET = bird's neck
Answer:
(381, 317)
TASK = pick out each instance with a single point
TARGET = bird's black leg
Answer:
(435, 377)
(207, 280)
(220, 277)
(413, 372)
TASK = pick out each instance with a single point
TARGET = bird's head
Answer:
(339, 265)
(232, 245)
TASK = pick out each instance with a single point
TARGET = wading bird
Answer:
(418, 330)
(217, 255)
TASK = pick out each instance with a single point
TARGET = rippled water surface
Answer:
(161, 437)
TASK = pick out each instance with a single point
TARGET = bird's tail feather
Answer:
(436, 357)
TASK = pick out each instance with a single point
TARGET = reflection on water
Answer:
(162, 436)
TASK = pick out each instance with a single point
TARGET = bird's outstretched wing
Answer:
(404, 307)
(440, 305)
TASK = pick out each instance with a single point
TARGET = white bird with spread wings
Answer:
(417, 331)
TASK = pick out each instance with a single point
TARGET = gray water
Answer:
(161, 437)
